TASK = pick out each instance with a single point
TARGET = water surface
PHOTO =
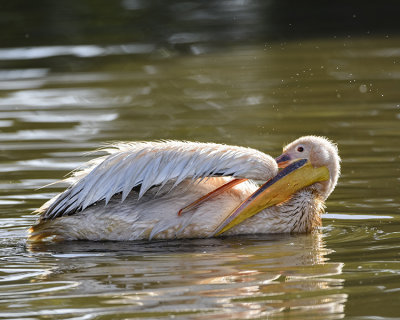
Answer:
(59, 102)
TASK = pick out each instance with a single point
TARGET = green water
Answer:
(58, 103)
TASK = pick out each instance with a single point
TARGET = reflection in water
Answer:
(82, 51)
(58, 102)
(248, 277)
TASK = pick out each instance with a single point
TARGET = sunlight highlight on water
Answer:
(257, 96)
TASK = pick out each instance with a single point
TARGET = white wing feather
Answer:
(148, 164)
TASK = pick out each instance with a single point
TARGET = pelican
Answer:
(180, 189)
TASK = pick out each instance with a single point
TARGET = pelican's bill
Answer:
(288, 181)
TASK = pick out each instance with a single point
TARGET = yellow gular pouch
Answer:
(294, 177)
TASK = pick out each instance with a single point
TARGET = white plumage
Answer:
(136, 191)
(148, 164)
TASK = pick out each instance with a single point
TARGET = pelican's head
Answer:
(319, 151)
(308, 162)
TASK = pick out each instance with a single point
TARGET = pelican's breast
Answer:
(300, 214)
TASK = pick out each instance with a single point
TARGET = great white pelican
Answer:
(179, 189)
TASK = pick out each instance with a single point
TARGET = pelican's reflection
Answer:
(248, 277)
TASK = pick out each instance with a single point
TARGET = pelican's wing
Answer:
(148, 164)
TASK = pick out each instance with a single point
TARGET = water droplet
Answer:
(363, 88)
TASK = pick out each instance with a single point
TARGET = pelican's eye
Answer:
(300, 149)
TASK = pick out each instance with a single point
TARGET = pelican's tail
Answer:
(44, 231)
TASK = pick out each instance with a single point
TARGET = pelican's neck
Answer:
(325, 188)
(301, 213)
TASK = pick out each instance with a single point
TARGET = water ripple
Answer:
(52, 113)
(82, 51)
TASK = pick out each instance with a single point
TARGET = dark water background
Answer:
(76, 74)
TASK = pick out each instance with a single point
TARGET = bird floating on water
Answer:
(179, 189)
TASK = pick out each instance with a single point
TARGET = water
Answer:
(57, 102)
